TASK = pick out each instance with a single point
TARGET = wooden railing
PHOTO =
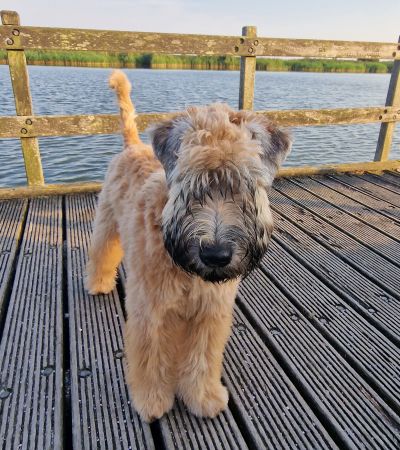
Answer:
(28, 127)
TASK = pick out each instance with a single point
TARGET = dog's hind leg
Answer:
(105, 252)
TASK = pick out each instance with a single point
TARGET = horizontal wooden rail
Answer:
(75, 188)
(43, 38)
(358, 167)
(49, 189)
(35, 126)
(337, 116)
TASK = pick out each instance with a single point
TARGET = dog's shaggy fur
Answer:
(191, 218)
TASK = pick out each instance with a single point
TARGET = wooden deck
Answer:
(313, 360)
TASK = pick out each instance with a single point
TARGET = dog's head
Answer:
(219, 164)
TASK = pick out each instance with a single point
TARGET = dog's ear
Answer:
(166, 138)
(159, 134)
(275, 143)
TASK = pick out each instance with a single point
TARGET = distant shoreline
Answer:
(184, 62)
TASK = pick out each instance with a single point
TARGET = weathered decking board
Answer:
(381, 181)
(11, 219)
(181, 430)
(31, 360)
(392, 178)
(314, 356)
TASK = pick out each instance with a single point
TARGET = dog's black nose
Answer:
(216, 255)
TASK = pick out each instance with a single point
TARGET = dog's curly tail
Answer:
(120, 83)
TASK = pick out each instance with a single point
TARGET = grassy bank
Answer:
(155, 61)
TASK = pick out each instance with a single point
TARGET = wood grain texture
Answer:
(9, 17)
(374, 190)
(48, 189)
(350, 206)
(388, 248)
(356, 289)
(373, 265)
(20, 82)
(23, 101)
(325, 169)
(382, 181)
(181, 430)
(43, 38)
(11, 219)
(391, 178)
(351, 409)
(349, 332)
(32, 126)
(248, 71)
(342, 184)
(313, 357)
(376, 253)
(337, 116)
(31, 361)
(386, 131)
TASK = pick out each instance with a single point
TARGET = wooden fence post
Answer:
(23, 102)
(247, 71)
(393, 99)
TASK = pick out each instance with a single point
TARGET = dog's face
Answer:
(219, 165)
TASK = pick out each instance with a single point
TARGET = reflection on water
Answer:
(67, 90)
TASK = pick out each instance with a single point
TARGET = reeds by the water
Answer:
(157, 61)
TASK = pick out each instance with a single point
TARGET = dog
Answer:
(191, 217)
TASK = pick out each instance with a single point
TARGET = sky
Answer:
(364, 20)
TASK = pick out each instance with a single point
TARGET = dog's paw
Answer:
(153, 405)
(210, 404)
(101, 285)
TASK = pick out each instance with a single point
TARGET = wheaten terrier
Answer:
(191, 217)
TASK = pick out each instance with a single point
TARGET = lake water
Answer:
(66, 90)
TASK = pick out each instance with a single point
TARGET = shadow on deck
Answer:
(313, 360)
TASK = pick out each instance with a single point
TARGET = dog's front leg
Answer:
(200, 369)
(150, 347)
